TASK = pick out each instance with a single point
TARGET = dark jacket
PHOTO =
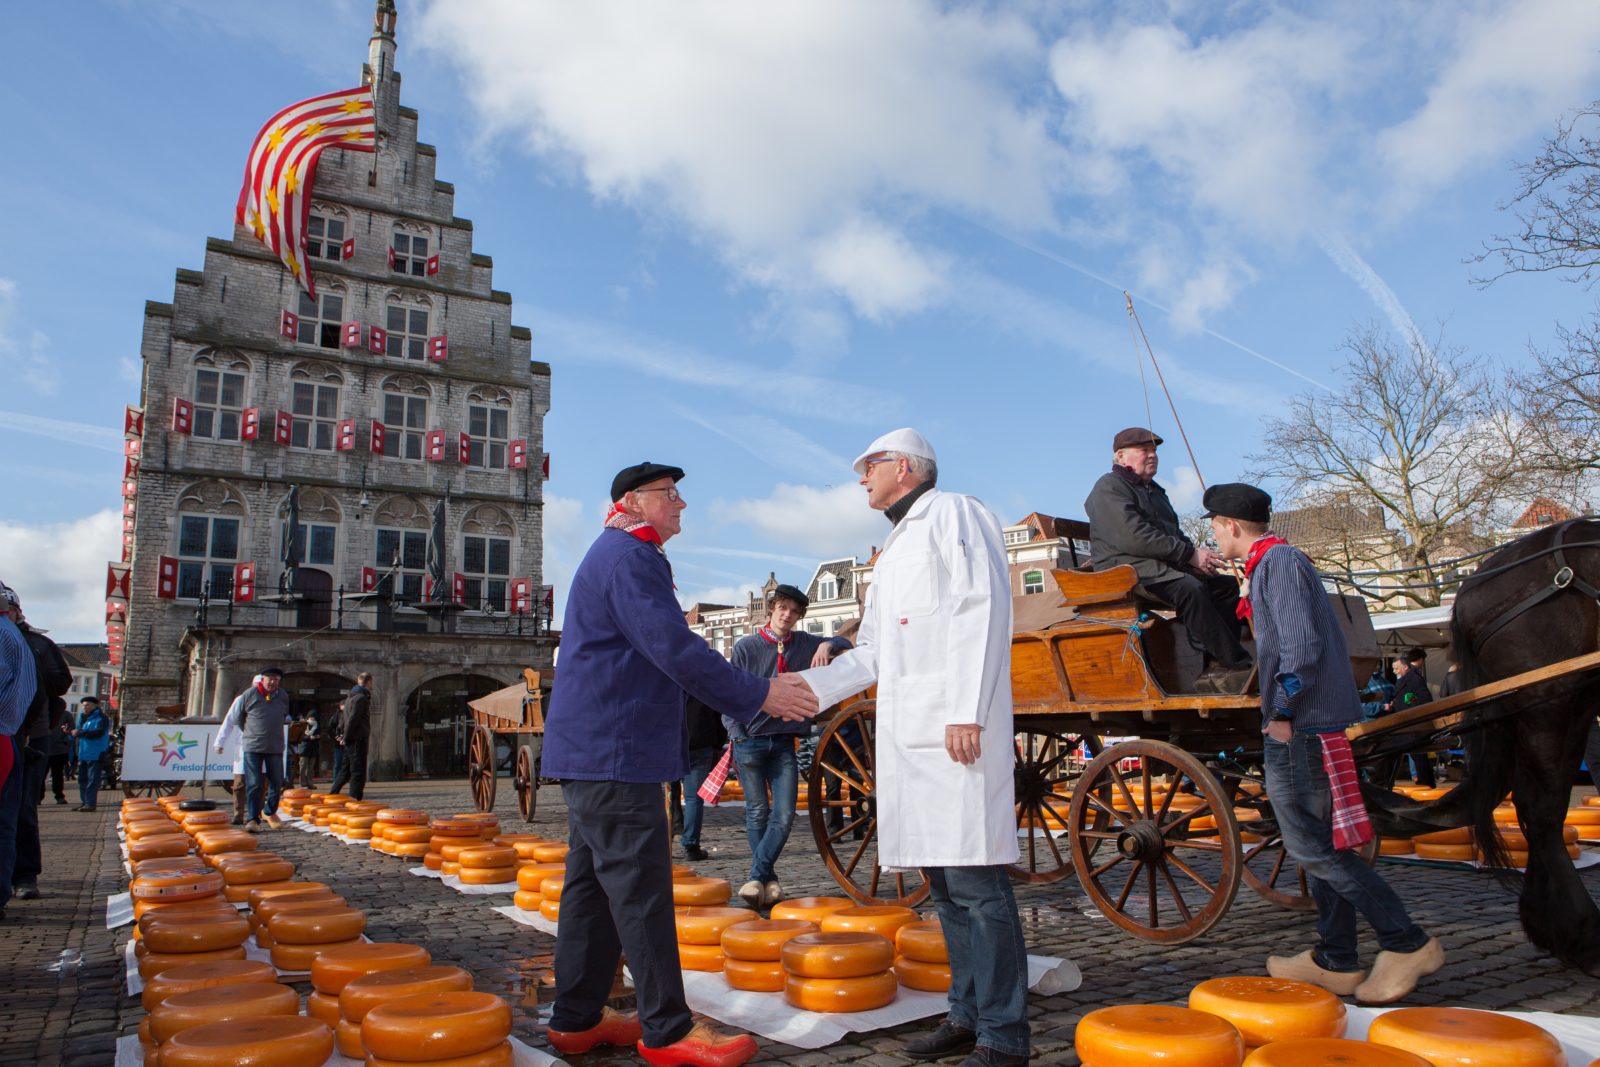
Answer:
(1131, 521)
(705, 726)
(356, 722)
(1303, 663)
(627, 657)
(757, 655)
(54, 679)
(1410, 691)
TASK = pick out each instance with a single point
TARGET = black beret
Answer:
(789, 592)
(1134, 435)
(631, 478)
(90, 700)
(270, 672)
(1236, 500)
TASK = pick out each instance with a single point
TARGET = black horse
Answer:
(1532, 603)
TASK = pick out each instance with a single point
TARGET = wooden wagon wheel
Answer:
(480, 767)
(1188, 878)
(527, 782)
(841, 791)
(156, 789)
(1045, 765)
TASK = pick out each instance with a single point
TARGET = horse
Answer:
(1531, 603)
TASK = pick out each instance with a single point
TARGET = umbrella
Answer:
(291, 542)
(436, 552)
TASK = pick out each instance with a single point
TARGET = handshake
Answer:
(790, 698)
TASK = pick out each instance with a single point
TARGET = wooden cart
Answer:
(515, 712)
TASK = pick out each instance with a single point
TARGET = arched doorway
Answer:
(318, 693)
(439, 723)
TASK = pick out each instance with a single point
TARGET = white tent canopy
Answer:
(1427, 627)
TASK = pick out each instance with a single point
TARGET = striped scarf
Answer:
(617, 519)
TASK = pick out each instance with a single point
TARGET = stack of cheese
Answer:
(289, 1040)
(178, 1013)
(1585, 819)
(1265, 1010)
(336, 968)
(1395, 846)
(441, 1028)
(448, 832)
(487, 864)
(358, 996)
(839, 972)
(292, 802)
(355, 822)
(530, 883)
(550, 892)
(183, 919)
(399, 832)
(692, 891)
(243, 872)
(700, 935)
(1455, 844)
(301, 934)
(191, 977)
(267, 900)
(922, 961)
(731, 790)
(752, 952)
(810, 909)
(1515, 844)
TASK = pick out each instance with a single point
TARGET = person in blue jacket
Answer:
(614, 734)
(92, 737)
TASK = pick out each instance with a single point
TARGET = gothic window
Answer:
(322, 319)
(410, 253)
(405, 425)
(218, 401)
(486, 562)
(325, 233)
(208, 547)
(407, 325)
(402, 559)
(489, 428)
(316, 414)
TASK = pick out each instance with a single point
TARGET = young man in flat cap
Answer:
(764, 749)
(614, 734)
(1131, 521)
(1308, 698)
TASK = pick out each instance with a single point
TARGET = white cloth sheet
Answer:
(477, 890)
(528, 918)
(425, 872)
(119, 910)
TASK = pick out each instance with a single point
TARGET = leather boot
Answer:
(946, 1040)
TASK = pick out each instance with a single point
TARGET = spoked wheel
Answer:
(153, 789)
(527, 782)
(1047, 764)
(480, 767)
(1138, 855)
(842, 789)
(1273, 874)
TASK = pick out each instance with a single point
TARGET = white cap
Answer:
(904, 440)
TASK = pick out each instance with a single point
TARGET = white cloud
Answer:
(101, 438)
(1348, 260)
(824, 523)
(570, 527)
(59, 570)
(774, 443)
(1183, 487)
(24, 354)
(716, 594)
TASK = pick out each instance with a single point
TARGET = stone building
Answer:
(402, 398)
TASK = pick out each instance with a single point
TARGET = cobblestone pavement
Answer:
(74, 1020)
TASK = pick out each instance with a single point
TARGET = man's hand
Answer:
(962, 742)
(790, 698)
(1206, 561)
(219, 750)
(823, 657)
(1280, 730)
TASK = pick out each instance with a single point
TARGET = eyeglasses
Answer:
(870, 463)
(671, 491)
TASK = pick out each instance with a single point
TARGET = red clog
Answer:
(614, 1028)
(702, 1047)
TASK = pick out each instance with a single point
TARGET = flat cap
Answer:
(904, 440)
(1134, 436)
(272, 672)
(631, 478)
(789, 592)
(1236, 500)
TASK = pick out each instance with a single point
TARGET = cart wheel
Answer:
(480, 767)
(527, 781)
(1046, 762)
(1267, 866)
(151, 789)
(841, 790)
(1138, 858)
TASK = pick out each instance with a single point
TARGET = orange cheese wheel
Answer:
(841, 994)
(185, 1011)
(260, 893)
(409, 835)
(487, 856)
(301, 957)
(213, 842)
(336, 968)
(754, 976)
(164, 863)
(1446, 852)
(263, 938)
(761, 940)
(323, 1008)
(1461, 835)
(1465, 1037)
(841, 955)
(1516, 841)
(347, 1039)
(452, 847)
(700, 957)
(922, 941)
(524, 849)
(881, 919)
(358, 835)
(510, 840)
(240, 894)
(1265, 1010)
(454, 828)
(412, 851)
(530, 876)
(363, 994)
(317, 926)
(433, 861)
(527, 900)
(153, 963)
(811, 909)
(270, 1041)
(681, 871)
(193, 933)
(192, 976)
(552, 886)
(1585, 816)
(704, 926)
(1395, 846)
(1330, 1052)
(449, 868)
(1591, 802)
(435, 1026)
(500, 1055)
(359, 822)
(243, 859)
(554, 852)
(928, 977)
(550, 909)
(696, 892)
(194, 820)
(1156, 1033)
(403, 816)
(151, 826)
(318, 898)
(173, 908)
(141, 908)
(487, 875)
(183, 883)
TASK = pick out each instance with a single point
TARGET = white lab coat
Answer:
(936, 638)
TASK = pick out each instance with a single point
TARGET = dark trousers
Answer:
(58, 777)
(89, 775)
(308, 770)
(10, 807)
(1206, 608)
(238, 798)
(617, 900)
(354, 768)
(1591, 753)
(35, 763)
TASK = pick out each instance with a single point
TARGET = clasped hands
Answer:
(790, 698)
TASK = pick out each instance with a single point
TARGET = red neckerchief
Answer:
(617, 519)
(1251, 560)
(773, 639)
(264, 694)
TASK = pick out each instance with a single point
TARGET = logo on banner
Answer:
(172, 746)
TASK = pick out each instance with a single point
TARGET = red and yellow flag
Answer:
(276, 197)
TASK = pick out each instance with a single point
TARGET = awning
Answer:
(1424, 627)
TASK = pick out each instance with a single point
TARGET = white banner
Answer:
(155, 752)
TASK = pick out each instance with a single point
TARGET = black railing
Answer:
(355, 607)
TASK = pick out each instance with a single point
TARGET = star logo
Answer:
(172, 746)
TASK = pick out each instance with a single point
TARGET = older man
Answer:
(614, 734)
(1132, 522)
(18, 681)
(936, 639)
(260, 715)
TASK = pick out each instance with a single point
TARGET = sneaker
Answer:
(274, 822)
(771, 893)
(1395, 974)
(83, 807)
(1305, 968)
(946, 1040)
(702, 1047)
(751, 892)
(252, 827)
(696, 853)
(614, 1028)
(28, 890)
(61, 800)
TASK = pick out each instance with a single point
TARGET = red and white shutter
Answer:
(244, 583)
(521, 596)
(369, 579)
(282, 428)
(182, 415)
(116, 581)
(438, 349)
(464, 447)
(377, 339)
(290, 325)
(347, 436)
(130, 468)
(132, 447)
(167, 578)
(435, 447)
(427, 587)
(375, 438)
(133, 421)
(348, 249)
(517, 453)
(114, 657)
(458, 587)
(130, 488)
(352, 335)
(112, 697)
(127, 520)
(391, 257)
(127, 549)
(250, 424)
(130, 508)
(433, 264)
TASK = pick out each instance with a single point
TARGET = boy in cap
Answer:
(1308, 698)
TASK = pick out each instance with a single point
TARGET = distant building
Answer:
(1038, 544)
(91, 671)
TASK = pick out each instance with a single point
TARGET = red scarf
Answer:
(617, 519)
(1251, 560)
(264, 694)
(773, 639)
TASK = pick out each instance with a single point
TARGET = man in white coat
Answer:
(936, 639)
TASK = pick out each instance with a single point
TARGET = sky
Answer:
(750, 238)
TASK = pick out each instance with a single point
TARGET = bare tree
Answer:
(1557, 403)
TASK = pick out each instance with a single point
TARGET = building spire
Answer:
(379, 72)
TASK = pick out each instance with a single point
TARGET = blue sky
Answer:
(749, 238)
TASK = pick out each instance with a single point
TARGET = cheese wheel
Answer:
(696, 892)
(531, 875)
(449, 868)
(841, 955)
(270, 1041)
(358, 835)
(554, 852)
(263, 938)
(363, 994)
(194, 820)
(1465, 1037)
(192, 976)
(347, 1039)
(527, 900)
(322, 1007)
(700, 957)
(550, 909)
(487, 875)
(487, 856)
(435, 1026)
(1330, 1052)
(1592, 802)
(881, 919)
(433, 861)
(317, 926)
(1516, 841)
(1445, 852)
(811, 909)
(922, 941)
(153, 963)
(1395, 846)
(185, 1011)
(552, 886)
(1265, 1010)
(184, 883)
(321, 898)
(916, 974)
(193, 933)
(359, 822)
(510, 840)
(243, 859)
(452, 847)
(524, 849)
(240, 894)
(408, 835)
(403, 816)
(141, 908)
(336, 968)
(164, 863)
(754, 976)
(500, 1055)
(1461, 835)
(1129, 1034)
(175, 908)
(454, 828)
(414, 850)
(841, 994)
(704, 926)
(298, 958)
(1585, 816)
(260, 893)
(761, 940)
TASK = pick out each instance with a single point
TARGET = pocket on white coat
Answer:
(916, 713)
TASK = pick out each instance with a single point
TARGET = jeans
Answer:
(338, 764)
(354, 767)
(764, 762)
(10, 806)
(35, 764)
(701, 760)
(988, 961)
(1341, 882)
(88, 782)
(256, 766)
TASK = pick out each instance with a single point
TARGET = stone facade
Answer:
(206, 500)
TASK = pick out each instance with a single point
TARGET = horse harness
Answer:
(1563, 580)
